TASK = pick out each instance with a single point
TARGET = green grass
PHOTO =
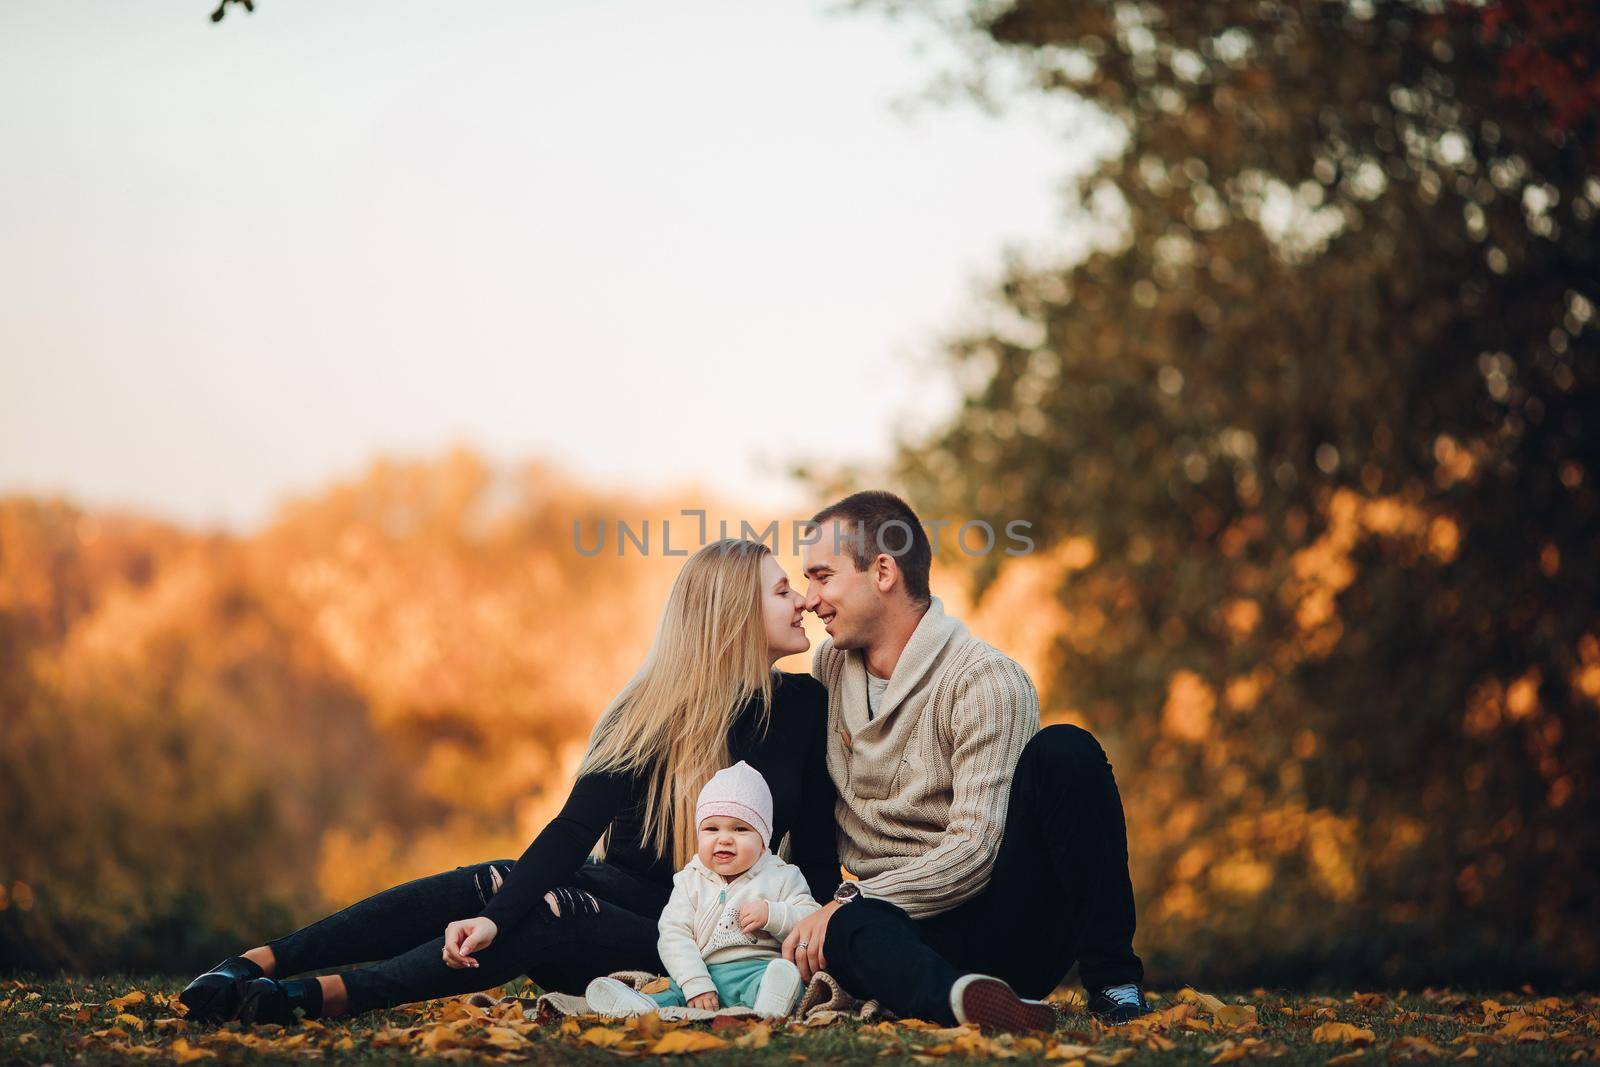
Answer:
(62, 1019)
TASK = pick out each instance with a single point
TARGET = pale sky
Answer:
(651, 243)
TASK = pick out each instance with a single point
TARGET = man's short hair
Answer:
(879, 522)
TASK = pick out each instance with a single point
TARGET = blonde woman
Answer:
(706, 696)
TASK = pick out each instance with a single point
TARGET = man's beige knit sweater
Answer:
(924, 784)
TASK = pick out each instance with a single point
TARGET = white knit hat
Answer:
(738, 791)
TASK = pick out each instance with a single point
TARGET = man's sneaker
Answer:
(1118, 1004)
(607, 996)
(990, 1004)
(779, 992)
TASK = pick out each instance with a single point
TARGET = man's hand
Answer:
(708, 1001)
(753, 915)
(803, 946)
(464, 937)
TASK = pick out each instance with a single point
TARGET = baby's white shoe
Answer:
(779, 992)
(607, 996)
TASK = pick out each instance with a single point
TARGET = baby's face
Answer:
(728, 846)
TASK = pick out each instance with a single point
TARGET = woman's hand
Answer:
(464, 937)
(706, 1001)
(753, 915)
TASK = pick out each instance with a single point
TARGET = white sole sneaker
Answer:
(990, 1004)
(779, 992)
(607, 996)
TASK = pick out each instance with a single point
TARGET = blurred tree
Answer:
(1311, 435)
(206, 740)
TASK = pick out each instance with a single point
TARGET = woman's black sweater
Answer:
(791, 755)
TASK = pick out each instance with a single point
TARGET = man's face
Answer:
(845, 599)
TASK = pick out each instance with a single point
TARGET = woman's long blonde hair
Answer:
(671, 720)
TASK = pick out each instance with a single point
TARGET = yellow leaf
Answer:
(1238, 1016)
(1338, 1033)
(131, 1020)
(679, 1042)
(755, 1037)
(1206, 1001)
(458, 1009)
(975, 1046)
(1111, 1059)
(602, 1036)
(1168, 1017)
(1242, 1016)
(394, 1035)
(655, 985)
(435, 1038)
(1518, 1021)
(505, 1037)
(1067, 1052)
(949, 1033)
(1347, 1057)
(183, 1052)
(1417, 1046)
(1227, 1052)
(223, 1037)
(568, 1027)
(119, 1003)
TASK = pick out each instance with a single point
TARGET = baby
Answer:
(731, 907)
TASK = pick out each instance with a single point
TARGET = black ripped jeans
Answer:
(607, 923)
(1058, 894)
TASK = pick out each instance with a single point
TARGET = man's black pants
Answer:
(1059, 893)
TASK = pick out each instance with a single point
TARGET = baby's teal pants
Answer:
(736, 984)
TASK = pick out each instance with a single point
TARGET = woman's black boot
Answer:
(215, 996)
(269, 1001)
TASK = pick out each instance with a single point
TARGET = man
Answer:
(991, 854)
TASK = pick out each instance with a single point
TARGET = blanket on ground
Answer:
(823, 1001)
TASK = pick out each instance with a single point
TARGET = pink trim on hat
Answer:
(735, 810)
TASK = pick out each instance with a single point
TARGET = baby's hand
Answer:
(707, 1001)
(753, 915)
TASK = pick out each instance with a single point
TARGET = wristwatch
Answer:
(847, 892)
